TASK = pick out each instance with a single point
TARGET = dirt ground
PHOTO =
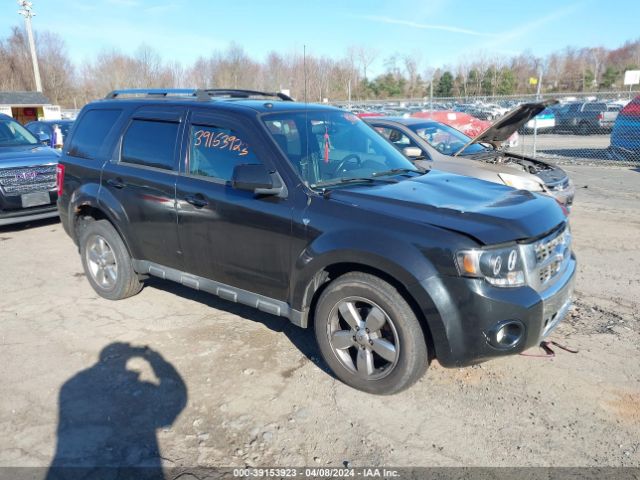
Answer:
(234, 387)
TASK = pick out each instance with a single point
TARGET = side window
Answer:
(37, 128)
(396, 137)
(150, 143)
(595, 107)
(90, 133)
(214, 152)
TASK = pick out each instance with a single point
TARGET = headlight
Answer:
(520, 183)
(502, 267)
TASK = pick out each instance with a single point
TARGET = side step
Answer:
(226, 292)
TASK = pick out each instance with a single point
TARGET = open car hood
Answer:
(506, 126)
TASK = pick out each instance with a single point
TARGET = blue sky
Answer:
(438, 31)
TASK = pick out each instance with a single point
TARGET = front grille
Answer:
(17, 181)
(552, 254)
(560, 186)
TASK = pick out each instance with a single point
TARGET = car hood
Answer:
(488, 212)
(25, 156)
(506, 126)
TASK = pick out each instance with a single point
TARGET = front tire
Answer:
(106, 260)
(369, 335)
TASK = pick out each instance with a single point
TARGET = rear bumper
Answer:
(471, 310)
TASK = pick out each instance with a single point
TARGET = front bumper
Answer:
(11, 210)
(565, 196)
(28, 214)
(468, 311)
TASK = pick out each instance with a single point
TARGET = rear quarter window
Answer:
(91, 132)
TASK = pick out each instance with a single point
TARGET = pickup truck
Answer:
(306, 212)
(585, 118)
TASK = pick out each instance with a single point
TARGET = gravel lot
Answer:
(245, 388)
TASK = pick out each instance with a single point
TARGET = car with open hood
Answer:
(27, 175)
(434, 145)
(305, 212)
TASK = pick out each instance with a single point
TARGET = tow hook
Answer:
(545, 345)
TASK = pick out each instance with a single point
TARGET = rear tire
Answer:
(369, 335)
(106, 260)
(583, 129)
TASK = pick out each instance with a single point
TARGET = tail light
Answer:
(601, 116)
(60, 178)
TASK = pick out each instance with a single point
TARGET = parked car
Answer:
(582, 118)
(544, 122)
(625, 136)
(304, 211)
(43, 130)
(467, 124)
(27, 175)
(433, 145)
(608, 118)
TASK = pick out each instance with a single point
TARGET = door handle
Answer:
(116, 183)
(197, 200)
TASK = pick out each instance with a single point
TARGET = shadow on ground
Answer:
(108, 417)
(16, 227)
(302, 339)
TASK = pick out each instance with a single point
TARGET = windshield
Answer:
(445, 139)
(12, 134)
(328, 147)
(64, 128)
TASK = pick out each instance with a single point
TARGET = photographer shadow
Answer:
(108, 417)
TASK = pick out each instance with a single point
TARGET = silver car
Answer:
(434, 145)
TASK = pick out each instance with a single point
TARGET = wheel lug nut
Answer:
(370, 342)
(366, 330)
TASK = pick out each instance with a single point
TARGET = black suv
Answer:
(304, 211)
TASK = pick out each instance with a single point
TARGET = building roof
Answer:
(23, 98)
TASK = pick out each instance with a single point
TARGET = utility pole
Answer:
(535, 119)
(26, 10)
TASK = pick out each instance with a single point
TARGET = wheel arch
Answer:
(84, 203)
(331, 271)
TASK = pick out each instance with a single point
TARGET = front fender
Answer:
(401, 260)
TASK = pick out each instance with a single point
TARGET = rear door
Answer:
(231, 236)
(141, 178)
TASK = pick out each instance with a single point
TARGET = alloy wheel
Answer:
(102, 262)
(363, 338)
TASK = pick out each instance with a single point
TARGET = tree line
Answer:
(334, 78)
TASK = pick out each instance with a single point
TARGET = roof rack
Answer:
(199, 94)
(152, 92)
(238, 93)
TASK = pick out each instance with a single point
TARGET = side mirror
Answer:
(412, 152)
(257, 179)
(44, 139)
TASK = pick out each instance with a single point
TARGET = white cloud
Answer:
(520, 31)
(427, 26)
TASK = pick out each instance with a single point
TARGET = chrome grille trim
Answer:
(17, 181)
(548, 258)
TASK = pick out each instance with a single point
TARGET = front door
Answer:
(231, 236)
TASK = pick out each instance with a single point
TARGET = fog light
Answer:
(506, 334)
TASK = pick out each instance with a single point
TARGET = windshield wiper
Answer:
(394, 171)
(347, 180)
